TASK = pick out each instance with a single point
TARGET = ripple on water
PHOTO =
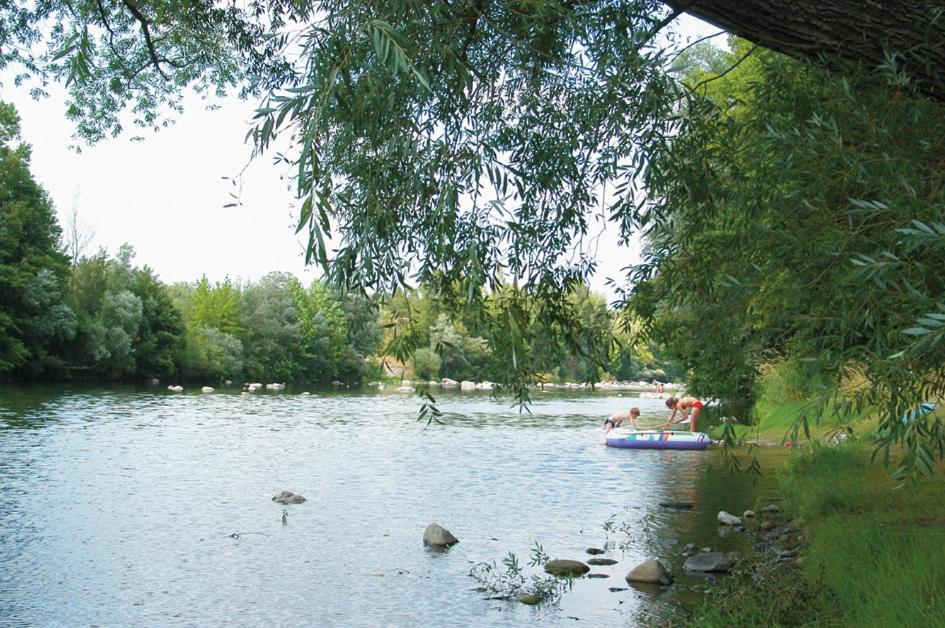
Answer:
(120, 506)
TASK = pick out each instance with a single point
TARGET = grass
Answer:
(875, 556)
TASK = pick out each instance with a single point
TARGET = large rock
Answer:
(565, 568)
(438, 536)
(727, 519)
(288, 497)
(710, 561)
(653, 571)
(446, 382)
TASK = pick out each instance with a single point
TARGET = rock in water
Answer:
(437, 536)
(749, 514)
(651, 571)
(678, 505)
(594, 550)
(710, 561)
(565, 568)
(727, 519)
(288, 497)
(601, 561)
(529, 598)
(768, 525)
(772, 509)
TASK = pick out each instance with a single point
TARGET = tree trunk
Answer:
(825, 31)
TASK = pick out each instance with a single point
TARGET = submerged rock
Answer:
(710, 561)
(288, 497)
(529, 598)
(651, 571)
(601, 561)
(772, 509)
(727, 519)
(565, 568)
(595, 550)
(678, 505)
(598, 575)
(438, 536)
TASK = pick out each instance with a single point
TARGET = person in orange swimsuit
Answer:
(688, 407)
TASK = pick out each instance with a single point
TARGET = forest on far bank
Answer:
(66, 315)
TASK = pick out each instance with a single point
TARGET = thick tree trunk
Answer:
(865, 31)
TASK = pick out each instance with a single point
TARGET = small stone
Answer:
(288, 497)
(749, 514)
(690, 547)
(564, 568)
(727, 519)
(617, 589)
(595, 550)
(772, 509)
(768, 525)
(598, 575)
(733, 557)
(529, 598)
(791, 553)
(678, 505)
(601, 561)
(710, 561)
(437, 536)
(651, 571)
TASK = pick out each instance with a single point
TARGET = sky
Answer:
(165, 195)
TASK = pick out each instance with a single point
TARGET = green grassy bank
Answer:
(874, 554)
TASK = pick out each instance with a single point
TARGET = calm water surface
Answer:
(118, 506)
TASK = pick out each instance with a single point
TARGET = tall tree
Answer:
(33, 318)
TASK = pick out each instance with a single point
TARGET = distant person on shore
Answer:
(658, 386)
(688, 407)
(616, 419)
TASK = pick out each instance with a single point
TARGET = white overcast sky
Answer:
(165, 195)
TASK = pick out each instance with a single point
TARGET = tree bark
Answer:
(828, 31)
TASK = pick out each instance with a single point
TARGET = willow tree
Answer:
(459, 144)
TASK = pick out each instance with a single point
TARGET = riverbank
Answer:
(873, 555)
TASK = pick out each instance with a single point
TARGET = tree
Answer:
(33, 319)
(272, 329)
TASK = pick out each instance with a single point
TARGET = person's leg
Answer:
(694, 418)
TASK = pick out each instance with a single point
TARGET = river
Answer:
(143, 507)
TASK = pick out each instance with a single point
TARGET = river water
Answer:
(137, 507)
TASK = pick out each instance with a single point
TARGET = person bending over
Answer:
(616, 419)
(689, 409)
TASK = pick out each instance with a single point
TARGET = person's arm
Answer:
(633, 422)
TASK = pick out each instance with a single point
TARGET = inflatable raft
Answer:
(657, 439)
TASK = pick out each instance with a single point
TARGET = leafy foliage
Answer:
(797, 216)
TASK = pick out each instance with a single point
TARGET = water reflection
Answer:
(141, 506)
